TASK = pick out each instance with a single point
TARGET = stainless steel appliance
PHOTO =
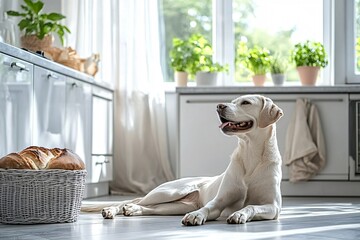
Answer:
(354, 135)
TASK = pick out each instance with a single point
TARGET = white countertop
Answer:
(48, 64)
(336, 89)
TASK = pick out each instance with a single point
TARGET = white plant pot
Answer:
(278, 79)
(206, 79)
(181, 79)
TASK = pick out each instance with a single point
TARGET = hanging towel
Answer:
(305, 144)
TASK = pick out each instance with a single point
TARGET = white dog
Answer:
(249, 189)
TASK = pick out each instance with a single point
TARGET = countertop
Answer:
(335, 89)
(51, 65)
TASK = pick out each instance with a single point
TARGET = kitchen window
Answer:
(274, 24)
(182, 19)
(353, 41)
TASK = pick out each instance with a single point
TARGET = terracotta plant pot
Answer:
(259, 80)
(181, 78)
(308, 75)
(33, 43)
(206, 79)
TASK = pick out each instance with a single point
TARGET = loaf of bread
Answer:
(38, 158)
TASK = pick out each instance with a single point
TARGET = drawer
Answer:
(101, 168)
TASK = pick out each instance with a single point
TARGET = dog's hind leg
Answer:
(172, 208)
(111, 211)
(184, 205)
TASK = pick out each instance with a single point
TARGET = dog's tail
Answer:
(96, 207)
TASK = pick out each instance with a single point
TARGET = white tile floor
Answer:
(301, 218)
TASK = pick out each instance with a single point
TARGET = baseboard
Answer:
(321, 188)
(96, 189)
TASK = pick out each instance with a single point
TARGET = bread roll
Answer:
(39, 155)
(66, 160)
(36, 158)
(15, 161)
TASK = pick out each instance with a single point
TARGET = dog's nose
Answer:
(221, 106)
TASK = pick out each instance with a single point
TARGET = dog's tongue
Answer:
(224, 125)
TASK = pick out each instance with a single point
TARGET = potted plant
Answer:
(38, 26)
(180, 56)
(278, 67)
(207, 72)
(309, 57)
(257, 60)
(202, 64)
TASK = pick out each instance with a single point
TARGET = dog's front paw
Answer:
(237, 218)
(242, 216)
(109, 212)
(131, 209)
(195, 218)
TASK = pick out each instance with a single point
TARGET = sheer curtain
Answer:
(126, 34)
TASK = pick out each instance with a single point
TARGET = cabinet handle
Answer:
(51, 75)
(311, 100)
(19, 66)
(190, 101)
(101, 163)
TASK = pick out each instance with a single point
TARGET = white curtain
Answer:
(126, 34)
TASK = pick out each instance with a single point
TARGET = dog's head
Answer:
(246, 113)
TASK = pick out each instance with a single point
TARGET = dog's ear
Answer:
(269, 114)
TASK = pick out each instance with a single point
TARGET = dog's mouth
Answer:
(227, 125)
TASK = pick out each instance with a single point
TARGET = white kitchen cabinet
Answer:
(205, 151)
(102, 135)
(49, 108)
(16, 104)
(101, 168)
(78, 119)
(46, 104)
(333, 110)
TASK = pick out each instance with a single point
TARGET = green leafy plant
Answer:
(309, 53)
(357, 50)
(37, 23)
(180, 55)
(278, 65)
(257, 60)
(202, 56)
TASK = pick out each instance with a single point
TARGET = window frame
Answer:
(224, 42)
(351, 76)
(223, 39)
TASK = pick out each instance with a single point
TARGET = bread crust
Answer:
(66, 160)
(37, 158)
(15, 161)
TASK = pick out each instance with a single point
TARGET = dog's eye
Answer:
(245, 103)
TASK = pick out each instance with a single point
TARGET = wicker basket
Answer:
(40, 196)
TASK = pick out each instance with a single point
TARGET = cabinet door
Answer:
(16, 104)
(49, 111)
(78, 119)
(101, 168)
(204, 149)
(333, 111)
(102, 135)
